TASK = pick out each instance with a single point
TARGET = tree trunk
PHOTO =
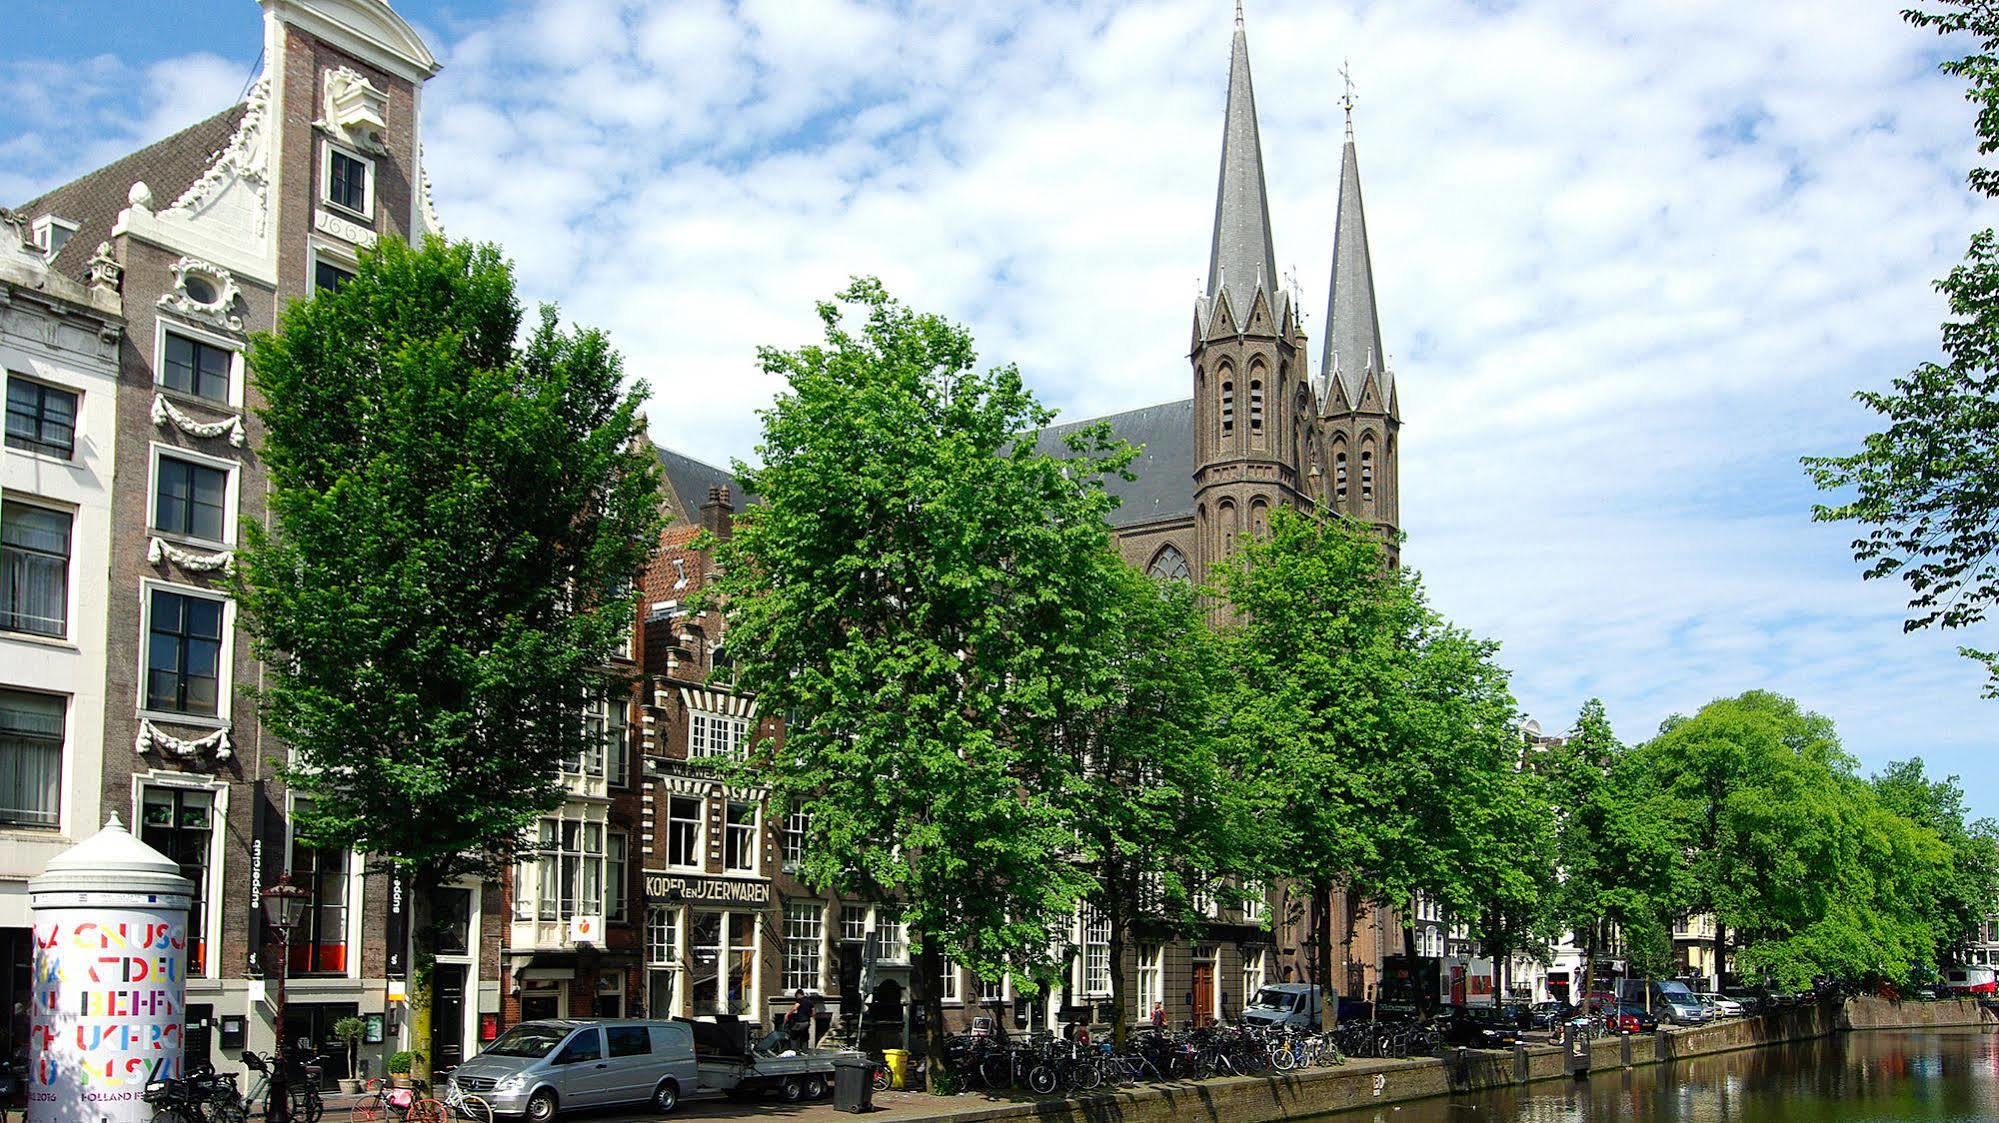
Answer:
(1352, 911)
(1114, 906)
(930, 964)
(1322, 951)
(424, 886)
(1720, 953)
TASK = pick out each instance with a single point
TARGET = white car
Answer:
(1722, 1005)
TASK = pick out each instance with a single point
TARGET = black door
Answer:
(850, 985)
(447, 1018)
(314, 1022)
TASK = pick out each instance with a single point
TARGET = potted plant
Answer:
(399, 1067)
(349, 1031)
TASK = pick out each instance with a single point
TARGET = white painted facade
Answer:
(57, 338)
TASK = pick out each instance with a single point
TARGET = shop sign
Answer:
(706, 890)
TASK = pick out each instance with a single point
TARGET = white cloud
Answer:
(1632, 260)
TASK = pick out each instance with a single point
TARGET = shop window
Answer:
(319, 942)
(180, 823)
(721, 949)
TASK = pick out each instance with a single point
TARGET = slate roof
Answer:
(169, 167)
(689, 480)
(1243, 257)
(1164, 435)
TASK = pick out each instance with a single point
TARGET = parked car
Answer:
(1284, 1004)
(1632, 1019)
(1549, 1014)
(1478, 1027)
(1519, 1015)
(1722, 1005)
(538, 1068)
(1675, 1001)
(1753, 1002)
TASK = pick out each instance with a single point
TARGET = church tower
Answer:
(1360, 474)
(1253, 405)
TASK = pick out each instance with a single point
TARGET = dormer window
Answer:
(350, 181)
(51, 234)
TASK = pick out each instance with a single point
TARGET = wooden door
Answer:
(1204, 993)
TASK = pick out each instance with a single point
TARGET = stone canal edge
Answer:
(1362, 1083)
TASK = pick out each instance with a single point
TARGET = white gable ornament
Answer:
(354, 109)
(204, 291)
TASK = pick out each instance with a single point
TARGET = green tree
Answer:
(1146, 794)
(457, 515)
(1970, 891)
(1785, 845)
(1927, 486)
(1374, 734)
(914, 590)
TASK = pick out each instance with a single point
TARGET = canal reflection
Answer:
(1900, 1076)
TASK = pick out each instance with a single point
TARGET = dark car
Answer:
(1478, 1027)
(1547, 1015)
(1633, 1019)
(1753, 1001)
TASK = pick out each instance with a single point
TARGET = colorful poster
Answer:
(109, 993)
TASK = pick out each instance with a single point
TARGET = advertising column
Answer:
(110, 931)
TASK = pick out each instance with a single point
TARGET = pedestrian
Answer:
(1159, 1015)
(798, 1019)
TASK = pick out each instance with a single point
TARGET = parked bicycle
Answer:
(383, 1101)
(202, 1096)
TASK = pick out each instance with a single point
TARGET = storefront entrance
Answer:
(314, 1022)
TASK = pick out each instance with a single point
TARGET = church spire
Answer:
(1353, 328)
(1242, 259)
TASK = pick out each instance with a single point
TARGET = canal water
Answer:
(1886, 1076)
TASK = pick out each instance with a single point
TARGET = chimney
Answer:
(718, 515)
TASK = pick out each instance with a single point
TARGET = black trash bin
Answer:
(853, 1083)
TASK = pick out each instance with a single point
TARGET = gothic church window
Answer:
(1228, 407)
(1169, 564)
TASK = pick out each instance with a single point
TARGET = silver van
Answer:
(1283, 1004)
(539, 1068)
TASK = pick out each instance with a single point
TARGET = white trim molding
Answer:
(220, 309)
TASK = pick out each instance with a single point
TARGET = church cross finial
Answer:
(1347, 98)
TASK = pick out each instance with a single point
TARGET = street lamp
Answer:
(284, 903)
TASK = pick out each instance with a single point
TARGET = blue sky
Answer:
(1632, 259)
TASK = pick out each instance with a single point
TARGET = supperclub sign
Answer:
(109, 993)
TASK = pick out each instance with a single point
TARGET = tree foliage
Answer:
(915, 592)
(457, 515)
(1785, 845)
(1379, 738)
(1969, 891)
(1926, 487)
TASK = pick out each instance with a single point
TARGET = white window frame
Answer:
(623, 881)
(232, 473)
(1093, 952)
(797, 827)
(225, 674)
(700, 822)
(38, 378)
(161, 326)
(848, 913)
(1254, 901)
(952, 990)
(527, 885)
(711, 734)
(731, 921)
(317, 251)
(800, 913)
(71, 604)
(352, 925)
(754, 841)
(327, 148)
(212, 905)
(1151, 978)
(43, 231)
(1255, 972)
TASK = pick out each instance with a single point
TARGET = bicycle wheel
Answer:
(475, 1109)
(1089, 1075)
(369, 1110)
(1042, 1079)
(425, 1110)
(306, 1103)
(996, 1071)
